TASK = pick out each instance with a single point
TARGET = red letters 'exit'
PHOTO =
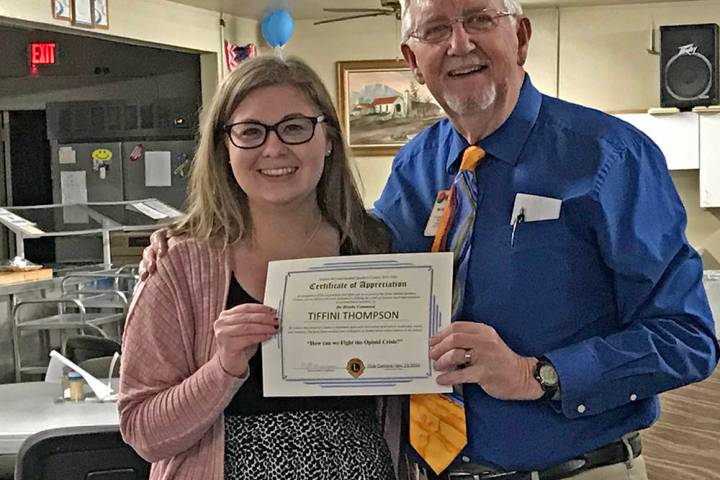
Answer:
(42, 53)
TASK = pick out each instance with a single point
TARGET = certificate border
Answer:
(434, 321)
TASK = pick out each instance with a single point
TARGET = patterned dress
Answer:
(320, 438)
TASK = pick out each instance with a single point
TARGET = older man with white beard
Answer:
(581, 297)
(577, 296)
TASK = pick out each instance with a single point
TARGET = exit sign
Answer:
(42, 53)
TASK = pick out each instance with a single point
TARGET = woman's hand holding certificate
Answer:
(239, 331)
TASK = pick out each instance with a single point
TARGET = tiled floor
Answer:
(685, 443)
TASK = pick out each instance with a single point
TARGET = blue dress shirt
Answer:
(611, 291)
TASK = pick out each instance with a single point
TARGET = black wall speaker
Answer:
(689, 65)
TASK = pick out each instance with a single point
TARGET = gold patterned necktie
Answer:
(438, 430)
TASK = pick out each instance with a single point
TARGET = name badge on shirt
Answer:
(534, 208)
(436, 213)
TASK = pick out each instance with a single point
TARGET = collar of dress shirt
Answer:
(506, 142)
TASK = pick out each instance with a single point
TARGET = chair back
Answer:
(79, 453)
(100, 367)
(84, 347)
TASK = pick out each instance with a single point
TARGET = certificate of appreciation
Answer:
(356, 325)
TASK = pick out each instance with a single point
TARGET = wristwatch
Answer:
(548, 378)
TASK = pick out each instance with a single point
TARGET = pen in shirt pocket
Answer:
(520, 218)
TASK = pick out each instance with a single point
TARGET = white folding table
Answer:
(30, 407)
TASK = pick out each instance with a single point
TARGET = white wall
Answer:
(362, 39)
(603, 63)
(603, 57)
(542, 62)
(155, 21)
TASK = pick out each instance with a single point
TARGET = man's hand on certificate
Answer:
(470, 352)
(238, 333)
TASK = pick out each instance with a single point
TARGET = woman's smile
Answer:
(278, 171)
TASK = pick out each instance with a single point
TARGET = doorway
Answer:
(4, 184)
(30, 177)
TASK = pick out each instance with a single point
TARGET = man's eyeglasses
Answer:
(482, 21)
(291, 131)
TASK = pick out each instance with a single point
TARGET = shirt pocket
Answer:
(537, 256)
(523, 289)
(544, 235)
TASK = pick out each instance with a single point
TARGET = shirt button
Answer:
(633, 397)
(466, 459)
(581, 408)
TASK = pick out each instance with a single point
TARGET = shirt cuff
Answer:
(580, 375)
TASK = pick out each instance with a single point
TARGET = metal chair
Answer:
(85, 347)
(94, 354)
(79, 453)
(101, 285)
(88, 303)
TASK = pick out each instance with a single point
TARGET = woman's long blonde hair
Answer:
(217, 208)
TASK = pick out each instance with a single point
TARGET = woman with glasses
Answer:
(270, 181)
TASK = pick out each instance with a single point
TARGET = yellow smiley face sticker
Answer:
(102, 155)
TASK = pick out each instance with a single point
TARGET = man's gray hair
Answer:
(406, 26)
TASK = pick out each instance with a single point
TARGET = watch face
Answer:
(548, 375)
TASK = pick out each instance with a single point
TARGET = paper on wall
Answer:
(158, 169)
(67, 155)
(73, 187)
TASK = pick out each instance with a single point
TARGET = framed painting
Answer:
(100, 14)
(62, 9)
(381, 105)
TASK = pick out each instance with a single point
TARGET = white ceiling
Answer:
(312, 9)
(300, 9)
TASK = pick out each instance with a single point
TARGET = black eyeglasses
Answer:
(291, 131)
(482, 21)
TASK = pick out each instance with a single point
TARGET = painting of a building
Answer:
(395, 105)
(384, 107)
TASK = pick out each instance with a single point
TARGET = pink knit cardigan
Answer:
(173, 391)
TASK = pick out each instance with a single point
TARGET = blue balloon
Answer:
(277, 28)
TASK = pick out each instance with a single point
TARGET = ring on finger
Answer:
(467, 358)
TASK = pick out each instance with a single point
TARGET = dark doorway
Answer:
(4, 249)
(31, 180)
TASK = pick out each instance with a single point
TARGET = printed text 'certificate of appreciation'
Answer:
(356, 325)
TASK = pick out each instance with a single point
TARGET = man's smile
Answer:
(466, 71)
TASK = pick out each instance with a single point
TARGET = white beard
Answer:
(479, 102)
